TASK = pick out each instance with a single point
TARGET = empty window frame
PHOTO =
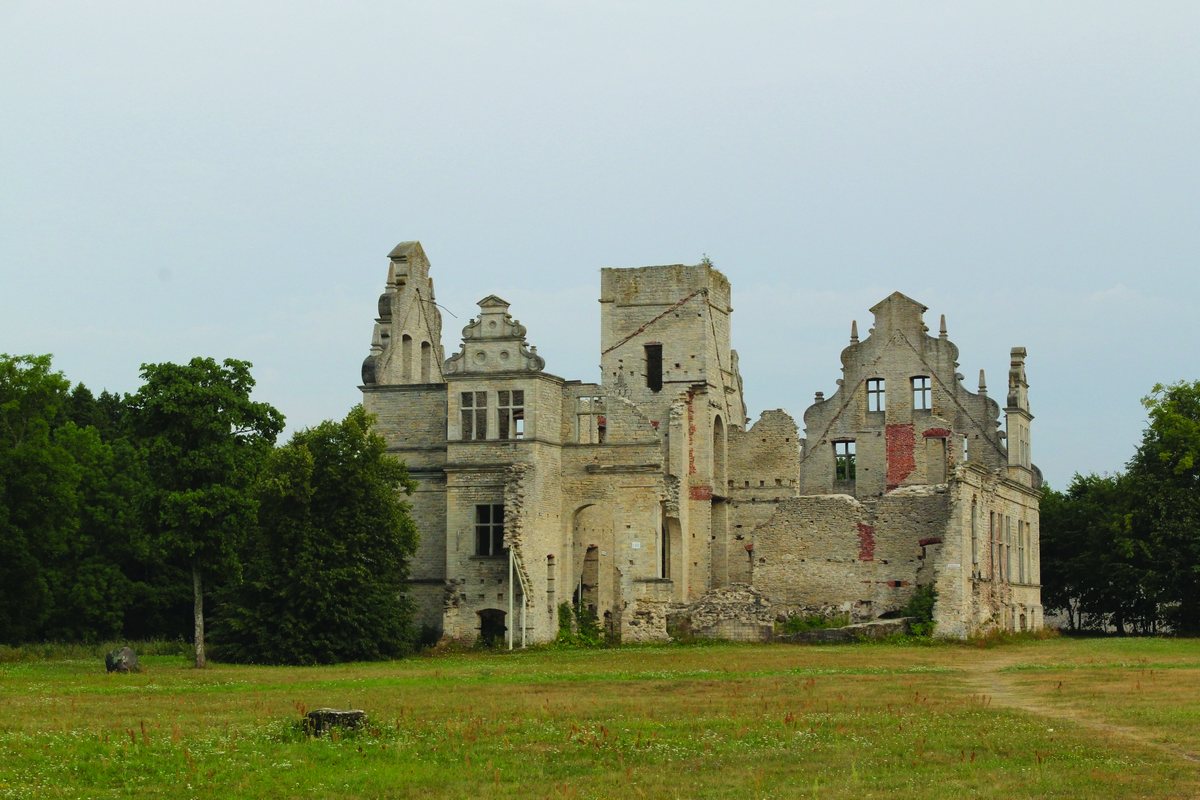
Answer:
(1021, 551)
(489, 530)
(654, 367)
(510, 414)
(922, 393)
(843, 461)
(474, 416)
(590, 420)
(1008, 549)
(992, 535)
(974, 535)
(876, 400)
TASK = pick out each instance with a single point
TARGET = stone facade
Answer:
(648, 499)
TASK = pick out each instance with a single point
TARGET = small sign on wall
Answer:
(637, 545)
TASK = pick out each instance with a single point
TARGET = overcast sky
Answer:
(227, 180)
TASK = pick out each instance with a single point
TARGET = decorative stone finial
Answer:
(820, 398)
(942, 330)
(982, 383)
(853, 331)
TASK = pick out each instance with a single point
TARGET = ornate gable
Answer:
(494, 342)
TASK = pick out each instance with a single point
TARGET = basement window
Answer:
(922, 393)
(489, 530)
(654, 367)
(875, 396)
(511, 414)
(474, 416)
(843, 461)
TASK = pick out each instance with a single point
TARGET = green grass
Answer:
(718, 721)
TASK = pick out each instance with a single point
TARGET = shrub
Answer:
(920, 607)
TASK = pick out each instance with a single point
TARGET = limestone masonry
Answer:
(647, 497)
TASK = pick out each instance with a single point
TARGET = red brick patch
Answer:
(700, 493)
(901, 462)
(930, 540)
(937, 433)
(866, 542)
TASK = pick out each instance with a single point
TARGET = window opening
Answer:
(474, 416)
(426, 362)
(664, 553)
(922, 393)
(654, 367)
(1021, 550)
(966, 448)
(406, 357)
(510, 410)
(975, 534)
(843, 461)
(1008, 549)
(992, 543)
(489, 530)
(591, 422)
(875, 396)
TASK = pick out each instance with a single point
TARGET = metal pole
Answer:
(510, 599)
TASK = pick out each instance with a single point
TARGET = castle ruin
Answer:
(650, 497)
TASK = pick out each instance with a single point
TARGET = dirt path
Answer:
(986, 677)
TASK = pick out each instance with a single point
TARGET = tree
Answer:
(325, 572)
(38, 492)
(1124, 550)
(1165, 478)
(204, 441)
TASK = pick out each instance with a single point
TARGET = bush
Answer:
(578, 627)
(920, 607)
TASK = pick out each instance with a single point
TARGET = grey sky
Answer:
(227, 179)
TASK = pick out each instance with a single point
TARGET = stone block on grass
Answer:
(320, 720)
(123, 659)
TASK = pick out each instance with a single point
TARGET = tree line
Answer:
(172, 511)
(1122, 552)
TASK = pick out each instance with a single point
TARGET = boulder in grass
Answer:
(123, 659)
(318, 721)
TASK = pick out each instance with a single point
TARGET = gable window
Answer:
(489, 530)
(654, 367)
(922, 394)
(474, 416)
(843, 461)
(875, 396)
(510, 410)
(592, 424)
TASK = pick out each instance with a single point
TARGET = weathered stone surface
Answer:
(320, 720)
(123, 659)
(640, 496)
(737, 613)
(878, 629)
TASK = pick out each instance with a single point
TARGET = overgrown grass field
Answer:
(1056, 718)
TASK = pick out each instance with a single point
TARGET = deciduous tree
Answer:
(204, 440)
(324, 575)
